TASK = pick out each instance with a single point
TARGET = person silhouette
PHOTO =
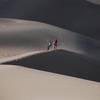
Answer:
(55, 44)
(49, 45)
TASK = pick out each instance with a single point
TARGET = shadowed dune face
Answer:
(18, 83)
(29, 35)
(62, 62)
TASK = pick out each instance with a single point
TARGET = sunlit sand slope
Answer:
(20, 36)
(18, 83)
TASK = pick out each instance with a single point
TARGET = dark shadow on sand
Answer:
(63, 62)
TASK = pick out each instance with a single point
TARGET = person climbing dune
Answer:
(55, 44)
(49, 45)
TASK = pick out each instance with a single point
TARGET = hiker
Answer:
(49, 45)
(55, 44)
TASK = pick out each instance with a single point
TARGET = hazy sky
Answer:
(76, 15)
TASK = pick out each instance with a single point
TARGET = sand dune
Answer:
(25, 43)
(94, 1)
(26, 36)
(16, 56)
(18, 83)
(62, 62)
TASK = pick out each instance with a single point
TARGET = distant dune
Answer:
(19, 83)
(94, 1)
(20, 36)
(76, 15)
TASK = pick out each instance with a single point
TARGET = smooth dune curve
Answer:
(23, 55)
(19, 83)
(95, 1)
(20, 37)
(62, 62)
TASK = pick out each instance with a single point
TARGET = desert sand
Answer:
(94, 1)
(25, 43)
(19, 83)
(62, 62)
(13, 51)
(21, 36)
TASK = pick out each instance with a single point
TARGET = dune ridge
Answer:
(32, 35)
(62, 62)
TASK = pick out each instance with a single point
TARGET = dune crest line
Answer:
(35, 35)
